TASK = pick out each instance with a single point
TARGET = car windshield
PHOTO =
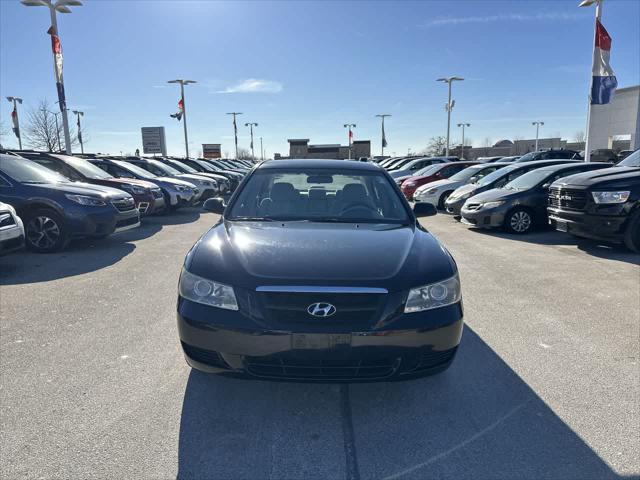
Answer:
(529, 179)
(493, 176)
(86, 168)
(466, 174)
(632, 160)
(205, 166)
(183, 166)
(319, 195)
(134, 169)
(428, 170)
(164, 167)
(25, 171)
(527, 157)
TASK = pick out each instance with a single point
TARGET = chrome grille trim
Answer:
(318, 289)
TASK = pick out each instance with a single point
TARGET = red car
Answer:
(439, 171)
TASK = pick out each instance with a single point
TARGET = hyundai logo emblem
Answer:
(321, 309)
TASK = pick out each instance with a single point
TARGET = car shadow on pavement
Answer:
(176, 217)
(608, 251)
(477, 420)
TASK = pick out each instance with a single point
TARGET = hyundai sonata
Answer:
(318, 270)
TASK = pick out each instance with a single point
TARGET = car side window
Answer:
(120, 172)
(51, 165)
(4, 183)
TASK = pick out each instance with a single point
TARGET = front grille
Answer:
(126, 222)
(281, 366)
(124, 204)
(157, 193)
(567, 198)
(208, 357)
(472, 206)
(353, 310)
(6, 219)
(433, 358)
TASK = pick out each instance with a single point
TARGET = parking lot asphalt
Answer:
(546, 383)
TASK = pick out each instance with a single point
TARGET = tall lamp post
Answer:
(350, 126)
(463, 125)
(251, 125)
(450, 104)
(538, 125)
(261, 150)
(16, 122)
(184, 110)
(79, 114)
(235, 129)
(384, 137)
(61, 6)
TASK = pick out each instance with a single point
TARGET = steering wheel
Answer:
(358, 206)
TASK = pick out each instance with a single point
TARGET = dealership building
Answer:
(300, 148)
(619, 119)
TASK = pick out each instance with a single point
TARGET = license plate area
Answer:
(319, 341)
(562, 226)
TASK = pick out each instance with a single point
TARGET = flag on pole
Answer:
(384, 137)
(56, 48)
(14, 119)
(350, 136)
(178, 114)
(235, 132)
(604, 82)
(79, 131)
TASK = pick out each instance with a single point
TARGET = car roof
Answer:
(562, 166)
(317, 163)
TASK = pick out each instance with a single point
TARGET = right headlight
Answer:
(86, 200)
(434, 295)
(611, 197)
(206, 292)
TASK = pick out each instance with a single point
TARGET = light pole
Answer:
(261, 150)
(235, 129)
(251, 125)
(538, 125)
(55, 115)
(350, 126)
(384, 137)
(463, 125)
(450, 104)
(61, 6)
(14, 118)
(79, 114)
(184, 110)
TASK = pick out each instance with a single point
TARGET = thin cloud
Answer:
(254, 85)
(508, 17)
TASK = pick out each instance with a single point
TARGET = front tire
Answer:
(632, 235)
(45, 231)
(443, 199)
(519, 221)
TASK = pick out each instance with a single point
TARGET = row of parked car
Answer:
(597, 200)
(46, 199)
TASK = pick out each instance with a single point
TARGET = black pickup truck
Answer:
(602, 205)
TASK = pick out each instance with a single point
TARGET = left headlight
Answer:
(435, 295)
(86, 200)
(611, 197)
(207, 292)
(135, 189)
(492, 204)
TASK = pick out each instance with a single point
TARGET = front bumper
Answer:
(608, 228)
(100, 221)
(454, 205)
(424, 197)
(11, 239)
(484, 218)
(412, 348)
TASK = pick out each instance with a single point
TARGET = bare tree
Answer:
(244, 154)
(436, 146)
(4, 131)
(579, 137)
(43, 133)
(487, 142)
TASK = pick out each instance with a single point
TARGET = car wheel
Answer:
(632, 235)
(443, 199)
(518, 221)
(45, 231)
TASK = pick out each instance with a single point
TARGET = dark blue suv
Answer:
(55, 210)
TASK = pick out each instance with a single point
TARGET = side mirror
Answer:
(546, 185)
(214, 205)
(424, 209)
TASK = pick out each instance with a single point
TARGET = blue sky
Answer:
(303, 69)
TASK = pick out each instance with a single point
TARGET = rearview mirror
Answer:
(214, 205)
(424, 209)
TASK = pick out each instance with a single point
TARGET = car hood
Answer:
(400, 173)
(601, 177)
(132, 181)
(170, 181)
(192, 177)
(251, 254)
(81, 188)
(493, 195)
(463, 190)
(441, 184)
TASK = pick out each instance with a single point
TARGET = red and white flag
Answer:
(178, 114)
(14, 119)
(56, 47)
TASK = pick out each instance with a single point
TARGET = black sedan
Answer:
(284, 287)
(521, 204)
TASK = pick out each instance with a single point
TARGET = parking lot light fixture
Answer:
(182, 83)
(350, 126)
(538, 125)
(251, 125)
(450, 104)
(235, 129)
(16, 122)
(61, 6)
(463, 125)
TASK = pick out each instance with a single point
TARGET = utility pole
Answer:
(14, 118)
(261, 150)
(235, 129)
(251, 125)
(384, 137)
(350, 126)
(538, 125)
(449, 106)
(463, 125)
(184, 110)
(79, 114)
